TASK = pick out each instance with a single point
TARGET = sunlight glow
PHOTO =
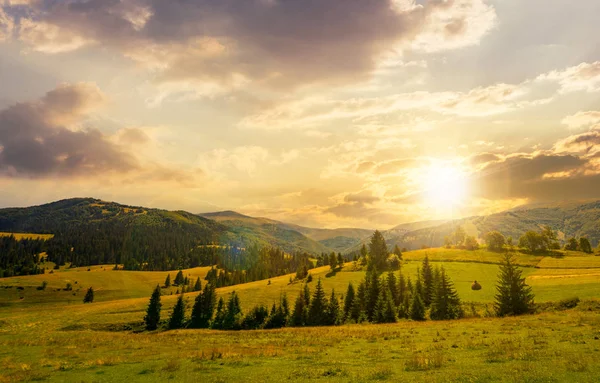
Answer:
(445, 186)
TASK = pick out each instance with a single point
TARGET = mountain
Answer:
(288, 236)
(569, 219)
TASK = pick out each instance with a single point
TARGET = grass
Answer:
(51, 335)
(19, 236)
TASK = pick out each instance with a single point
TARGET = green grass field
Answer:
(52, 336)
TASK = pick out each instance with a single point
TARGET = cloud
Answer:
(588, 142)
(279, 43)
(538, 177)
(394, 166)
(6, 26)
(582, 119)
(583, 77)
(35, 140)
(245, 159)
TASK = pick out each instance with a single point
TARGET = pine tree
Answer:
(168, 281)
(385, 312)
(298, 316)
(363, 254)
(89, 296)
(152, 317)
(397, 251)
(378, 252)
(417, 308)
(177, 319)
(401, 290)
(198, 285)
(220, 315)
(233, 313)
(514, 296)
(358, 307)
(333, 310)
(317, 311)
(392, 286)
(348, 302)
(445, 303)
(372, 287)
(340, 260)
(427, 280)
(179, 279)
(418, 287)
(204, 307)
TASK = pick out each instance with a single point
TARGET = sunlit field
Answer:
(51, 335)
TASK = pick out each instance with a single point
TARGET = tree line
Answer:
(378, 298)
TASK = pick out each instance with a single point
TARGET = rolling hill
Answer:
(288, 236)
(571, 219)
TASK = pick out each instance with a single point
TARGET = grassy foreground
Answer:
(50, 335)
(550, 347)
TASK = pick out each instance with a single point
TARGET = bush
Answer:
(568, 303)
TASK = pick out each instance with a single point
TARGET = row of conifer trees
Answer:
(377, 299)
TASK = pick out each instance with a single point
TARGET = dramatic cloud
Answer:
(6, 26)
(588, 142)
(279, 42)
(582, 119)
(35, 140)
(541, 177)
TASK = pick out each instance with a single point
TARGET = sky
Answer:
(325, 113)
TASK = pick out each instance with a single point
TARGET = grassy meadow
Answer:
(50, 335)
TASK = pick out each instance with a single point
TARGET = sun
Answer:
(444, 186)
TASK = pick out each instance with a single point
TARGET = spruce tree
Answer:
(392, 286)
(89, 296)
(385, 312)
(204, 307)
(152, 317)
(348, 302)
(401, 290)
(198, 285)
(220, 315)
(179, 279)
(333, 310)
(445, 303)
(317, 311)
(177, 319)
(418, 287)
(417, 308)
(297, 318)
(372, 288)
(168, 281)
(514, 296)
(233, 313)
(378, 252)
(358, 307)
(427, 280)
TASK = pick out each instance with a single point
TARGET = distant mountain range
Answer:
(229, 227)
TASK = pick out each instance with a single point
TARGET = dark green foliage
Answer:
(179, 279)
(372, 287)
(219, 320)
(585, 245)
(334, 313)
(309, 278)
(417, 308)
(349, 301)
(279, 315)
(514, 296)
(89, 296)
(198, 285)
(233, 313)
(445, 303)
(20, 257)
(302, 272)
(358, 310)
(572, 244)
(255, 318)
(168, 281)
(393, 262)
(385, 310)
(204, 307)
(300, 314)
(495, 240)
(152, 318)
(427, 280)
(471, 243)
(317, 311)
(378, 252)
(397, 252)
(177, 319)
